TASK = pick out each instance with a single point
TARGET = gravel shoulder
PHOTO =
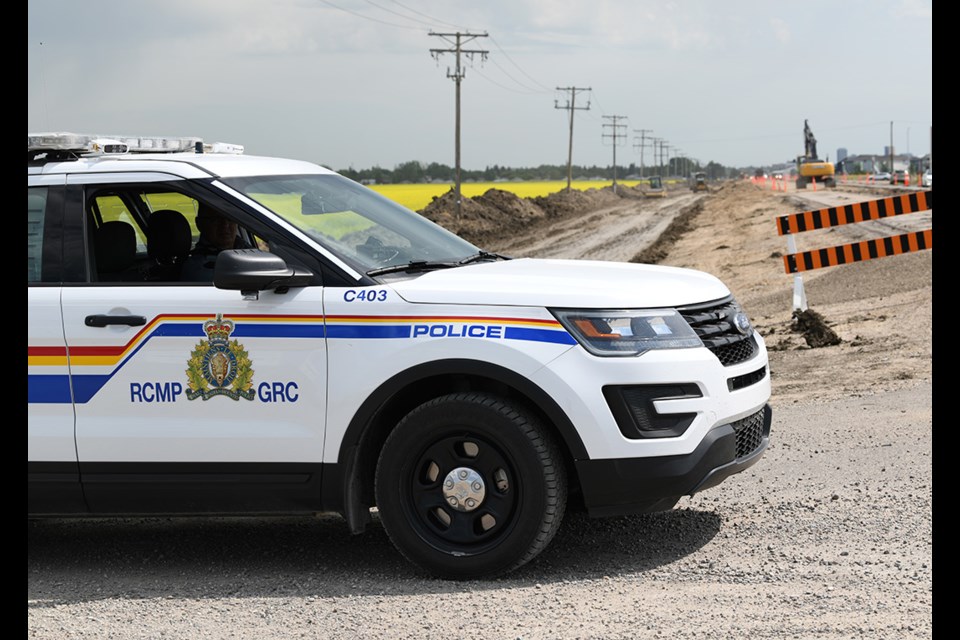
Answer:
(829, 536)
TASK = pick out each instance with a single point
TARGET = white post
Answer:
(799, 295)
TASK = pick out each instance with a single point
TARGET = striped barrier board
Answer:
(794, 223)
(852, 213)
(796, 262)
(858, 251)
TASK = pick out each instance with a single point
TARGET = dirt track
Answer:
(829, 536)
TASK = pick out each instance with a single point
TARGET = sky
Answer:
(356, 84)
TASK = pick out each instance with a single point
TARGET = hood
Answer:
(563, 283)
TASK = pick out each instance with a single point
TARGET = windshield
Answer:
(358, 224)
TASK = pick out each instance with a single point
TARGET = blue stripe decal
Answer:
(313, 330)
(48, 389)
(245, 330)
(52, 389)
(85, 387)
(169, 329)
(368, 331)
(538, 335)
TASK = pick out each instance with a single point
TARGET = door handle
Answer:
(101, 320)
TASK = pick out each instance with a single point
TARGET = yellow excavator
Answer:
(810, 168)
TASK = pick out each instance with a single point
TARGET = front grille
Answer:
(714, 325)
(749, 432)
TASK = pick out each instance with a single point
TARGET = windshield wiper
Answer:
(416, 265)
(482, 255)
(424, 265)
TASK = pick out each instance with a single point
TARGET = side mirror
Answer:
(256, 270)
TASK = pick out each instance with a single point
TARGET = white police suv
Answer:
(347, 355)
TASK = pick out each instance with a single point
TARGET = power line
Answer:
(360, 15)
(535, 81)
(512, 90)
(371, 2)
(419, 13)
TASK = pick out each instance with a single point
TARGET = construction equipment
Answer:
(810, 168)
(655, 188)
(698, 182)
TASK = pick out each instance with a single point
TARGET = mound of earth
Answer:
(498, 213)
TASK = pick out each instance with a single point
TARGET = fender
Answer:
(341, 488)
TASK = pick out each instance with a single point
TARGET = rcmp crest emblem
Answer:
(219, 366)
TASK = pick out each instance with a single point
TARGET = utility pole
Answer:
(616, 135)
(459, 39)
(666, 150)
(660, 144)
(571, 108)
(891, 147)
(653, 143)
(642, 145)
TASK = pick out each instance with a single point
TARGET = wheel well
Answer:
(359, 455)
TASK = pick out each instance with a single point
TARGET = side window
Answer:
(118, 242)
(112, 208)
(140, 233)
(36, 208)
(177, 202)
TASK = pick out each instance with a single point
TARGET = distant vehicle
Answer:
(899, 176)
(655, 188)
(927, 179)
(880, 176)
(778, 176)
(698, 181)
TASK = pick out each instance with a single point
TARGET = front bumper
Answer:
(623, 486)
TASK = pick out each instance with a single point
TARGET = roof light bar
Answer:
(118, 145)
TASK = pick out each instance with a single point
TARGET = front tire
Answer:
(469, 485)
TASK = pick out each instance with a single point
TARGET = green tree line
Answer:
(415, 172)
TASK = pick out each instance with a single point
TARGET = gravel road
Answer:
(829, 536)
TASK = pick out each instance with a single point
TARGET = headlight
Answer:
(627, 332)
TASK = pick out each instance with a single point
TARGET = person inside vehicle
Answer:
(217, 232)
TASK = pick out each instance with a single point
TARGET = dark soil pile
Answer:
(566, 202)
(814, 329)
(498, 213)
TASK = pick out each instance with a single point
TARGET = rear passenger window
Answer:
(112, 208)
(36, 208)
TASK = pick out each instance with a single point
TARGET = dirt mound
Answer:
(565, 202)
(814, 329)
(515, 210)
(498, 213)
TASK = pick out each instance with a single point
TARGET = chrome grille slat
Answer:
(712, 324)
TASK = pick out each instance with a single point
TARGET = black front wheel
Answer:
(469, 485)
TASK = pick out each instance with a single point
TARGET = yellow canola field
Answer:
(418, 196)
